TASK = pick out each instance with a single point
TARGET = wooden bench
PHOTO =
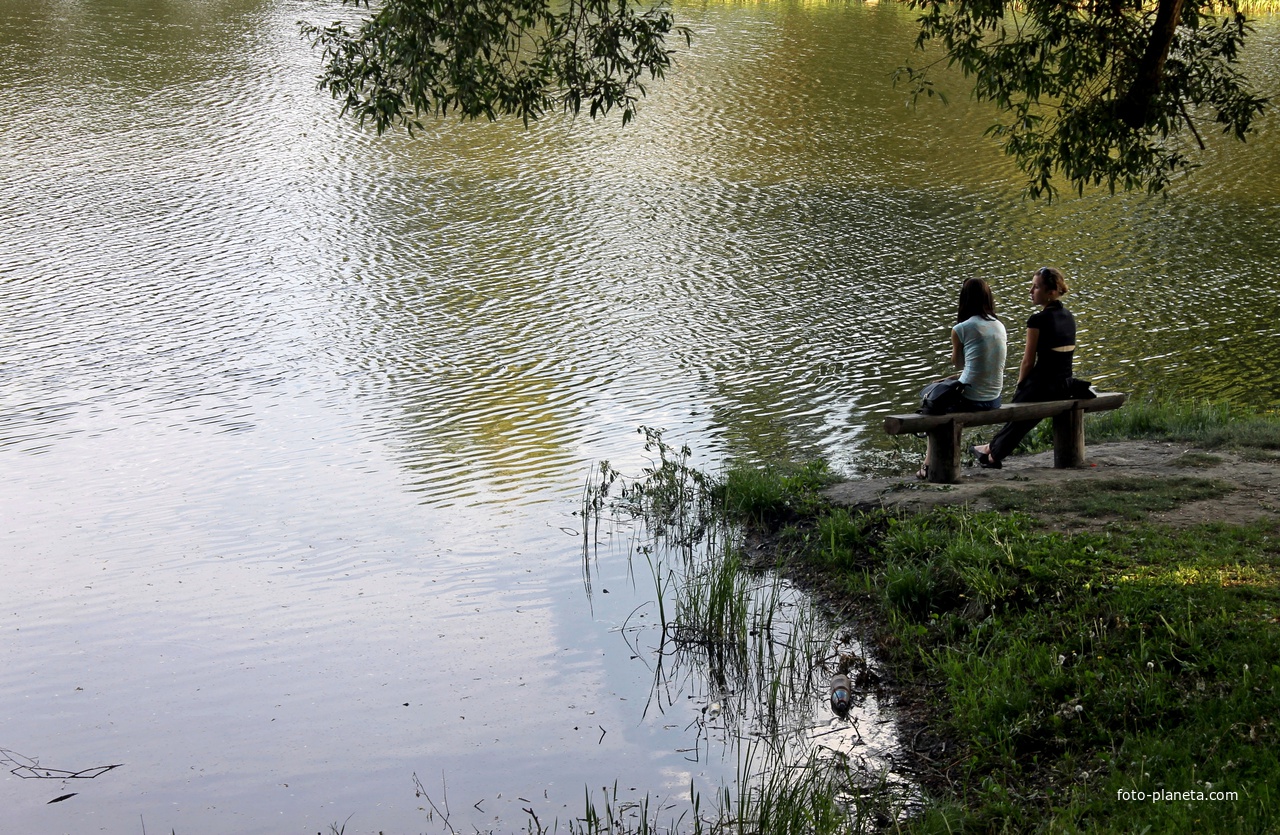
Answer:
(943, 460)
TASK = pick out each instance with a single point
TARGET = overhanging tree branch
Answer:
(1096, 92)
(411, 59)
(1093, 91)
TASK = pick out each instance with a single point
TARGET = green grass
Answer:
(1070, 673)
(714, 604)
(1071, 668)
(1208, 424)
(1125, 498)
(772, 494)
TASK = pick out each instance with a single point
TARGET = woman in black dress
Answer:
(1045, 372)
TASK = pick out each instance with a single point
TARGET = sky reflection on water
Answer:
(294, 419)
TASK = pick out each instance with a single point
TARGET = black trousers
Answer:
(1011, 434)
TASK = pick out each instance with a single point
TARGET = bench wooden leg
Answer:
(1068, 439)
(943, 459)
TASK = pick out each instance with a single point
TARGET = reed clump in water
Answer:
(760, 648)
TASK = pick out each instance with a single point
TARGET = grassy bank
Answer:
(1121, 680)
(1206, 424)
(1061, 677)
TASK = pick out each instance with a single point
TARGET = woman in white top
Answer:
(978, 347)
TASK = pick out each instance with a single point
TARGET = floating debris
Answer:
(841, 695)
(29, 769)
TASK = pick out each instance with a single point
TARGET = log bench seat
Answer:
(943, 461)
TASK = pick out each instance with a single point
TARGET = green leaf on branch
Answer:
(412, 59)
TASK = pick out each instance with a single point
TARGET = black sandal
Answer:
(985, 461)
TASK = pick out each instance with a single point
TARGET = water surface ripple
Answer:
(294, 418)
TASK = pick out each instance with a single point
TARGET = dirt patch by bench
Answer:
(1252, 479)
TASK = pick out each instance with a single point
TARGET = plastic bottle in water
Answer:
(841, 695)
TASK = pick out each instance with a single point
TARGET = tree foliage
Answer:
(415, 58)
(1097, 91)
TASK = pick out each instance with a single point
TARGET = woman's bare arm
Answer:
(1029, 355)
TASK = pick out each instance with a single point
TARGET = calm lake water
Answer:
(294, 419)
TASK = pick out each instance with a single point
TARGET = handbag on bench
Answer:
(937, 398)
(1080, 389)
